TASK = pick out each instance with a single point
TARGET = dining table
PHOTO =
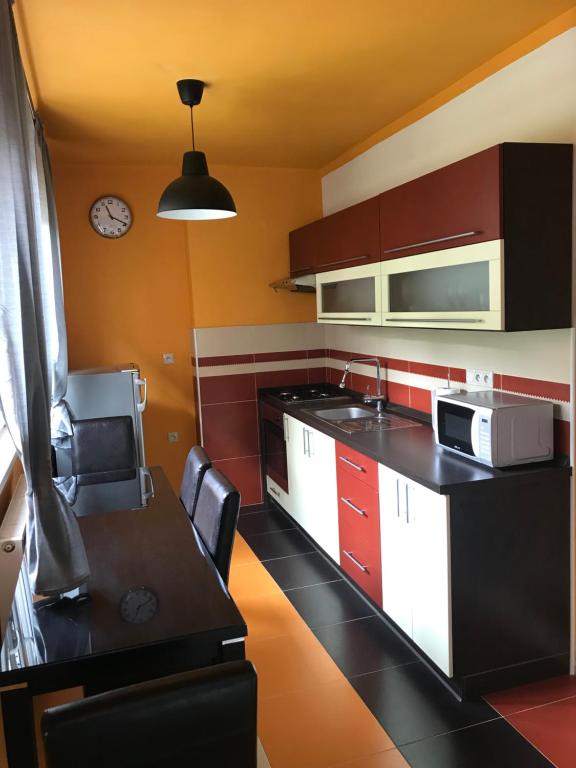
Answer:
(154, 605)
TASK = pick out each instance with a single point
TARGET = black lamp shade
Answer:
(195, 194)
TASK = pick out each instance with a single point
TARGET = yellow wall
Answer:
(132, 299)
(127, 300)
(233, 261)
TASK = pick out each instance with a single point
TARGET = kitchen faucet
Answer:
(378, 398)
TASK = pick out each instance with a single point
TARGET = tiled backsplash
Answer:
(231, 363)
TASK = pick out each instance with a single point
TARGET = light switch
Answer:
(172, 437)
(168, 358)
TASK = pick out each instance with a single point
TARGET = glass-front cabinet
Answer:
(350, 296)
(454, 288)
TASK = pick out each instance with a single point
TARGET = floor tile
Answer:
(491, 745)
(366, 645)
(392, 758)
(302, 571)
(264, 522)
(269, 615)
(552, 729)
(533, 695)
(249, 580)
(280, 544)
(290, 663)
(412, 704)
(318, 728)
(241, 552)
(328, 604)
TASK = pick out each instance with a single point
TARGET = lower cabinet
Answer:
(415, 546)
(311, 459)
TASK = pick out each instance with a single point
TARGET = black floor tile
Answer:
(364, 646)
(328, 604)
(491, 745)
(264, 522)
(280, 544)
(301, 571)
(411, 704)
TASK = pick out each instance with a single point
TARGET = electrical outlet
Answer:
(168, 358)
(480, 378)
(172, 437)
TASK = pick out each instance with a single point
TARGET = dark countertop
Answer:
(413, 452)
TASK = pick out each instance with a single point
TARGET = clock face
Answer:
(138, 605)
(110, 216)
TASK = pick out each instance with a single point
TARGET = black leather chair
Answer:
(202, 718)
(105, 445)
(197, 462)
(216, 518)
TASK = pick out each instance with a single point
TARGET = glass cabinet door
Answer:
(343, 296)
(457, 288)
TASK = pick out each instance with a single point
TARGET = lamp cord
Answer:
(192, 125)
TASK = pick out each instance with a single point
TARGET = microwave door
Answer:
(455, 426)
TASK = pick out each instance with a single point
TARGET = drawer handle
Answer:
(357, 563)
(334, 317)
(353, 506)
(274, 491)
(351, 464)
(431, 242)
(344, 261)
(434, 320)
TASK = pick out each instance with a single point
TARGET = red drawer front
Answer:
(358, 503)
(356, 464)
(360, 535)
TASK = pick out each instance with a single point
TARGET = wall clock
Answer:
(138, 605)
(110, 216)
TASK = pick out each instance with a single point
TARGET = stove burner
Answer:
(303, 394)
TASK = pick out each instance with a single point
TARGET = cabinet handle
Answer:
(309, 434)
(432, 320)
(286, 430)
(407, 503)
(397, 497)
(353, 506)
(357, 563)
(431, 242)
(304, 439)
(333, 317)
(274, 491)
(344, 261)
(351, 464)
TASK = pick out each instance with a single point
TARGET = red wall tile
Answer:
(421, 399)
(399, 393)
(552, 730)
(228, 389)
(549, 389)
(262, 357)
(458, 374)
(225, 360)
(317, 353)
(425, 369)
(230, 430)
(282, 378)
(244, 473)
(317, 375)
(533, 695)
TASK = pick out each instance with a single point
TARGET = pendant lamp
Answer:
(195, 195)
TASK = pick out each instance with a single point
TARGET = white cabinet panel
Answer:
(416, 564)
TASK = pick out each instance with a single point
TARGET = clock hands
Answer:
(114, 217)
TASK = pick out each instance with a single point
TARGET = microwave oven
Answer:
(495, 428)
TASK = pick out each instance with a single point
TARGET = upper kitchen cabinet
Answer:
(304, 247)
(348, 238)
(455, 205)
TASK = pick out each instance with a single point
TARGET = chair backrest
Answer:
(206, 717)
(105, 445)
(216, 518)
(197, 462)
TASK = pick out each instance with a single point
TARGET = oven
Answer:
(274, 459)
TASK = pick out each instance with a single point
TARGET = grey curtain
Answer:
(33, 361)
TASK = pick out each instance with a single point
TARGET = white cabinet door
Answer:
(311, 457)
(396, 555)
(322, 495)
(431, 609)
(414, 525)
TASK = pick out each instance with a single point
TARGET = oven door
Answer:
(455, 425)
(274, 448)
(349, 296)
(453, 288)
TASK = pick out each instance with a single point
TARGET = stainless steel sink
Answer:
(344, 413)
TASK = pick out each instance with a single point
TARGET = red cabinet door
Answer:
(455, 205)
(305, 244)
(356, 464)
(350, 237)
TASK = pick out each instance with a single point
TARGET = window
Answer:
(7, 453)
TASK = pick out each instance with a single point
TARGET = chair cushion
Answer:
(197, 462)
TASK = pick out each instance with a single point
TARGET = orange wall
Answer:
(132, 299)
(232, 261)
(128, 300)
